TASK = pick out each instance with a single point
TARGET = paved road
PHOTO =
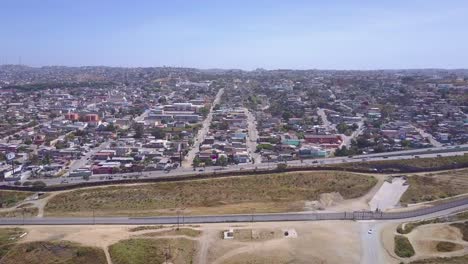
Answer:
(187, 162)
(252, 137)
(429, 137)
(323, 115)
(445, 208)
(87, 156)
(401, 155)
(347, 139)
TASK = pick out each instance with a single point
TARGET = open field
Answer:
(148, 251)
(413, 165)
(11, 198)
(53, 252)
(316, 242)
(432, 186)
(246, 194)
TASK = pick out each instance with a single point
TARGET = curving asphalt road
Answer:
(450, 206)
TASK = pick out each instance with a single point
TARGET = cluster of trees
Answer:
(204, 111)
(345, 129)
(221, 161)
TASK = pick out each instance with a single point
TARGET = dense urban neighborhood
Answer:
(64, 122)
(379, 153)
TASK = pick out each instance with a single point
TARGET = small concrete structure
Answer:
(229, 234)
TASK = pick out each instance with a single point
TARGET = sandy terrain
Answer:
(316, 242)
(424, 240)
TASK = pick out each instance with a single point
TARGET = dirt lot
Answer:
(246, 194)
(425, 240)
(316, 242)
(432, 186)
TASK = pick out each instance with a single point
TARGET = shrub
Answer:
(39, 184)
(281, 167)
(403, 247)
(445, 246)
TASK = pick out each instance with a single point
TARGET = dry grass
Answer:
(463, 229)
(406, 228)
(11, 198)
(445, 246)
(260, 193)
(149, 251)
(452, 260)
(142, 228)
(8, 238)
(53, 252)
(175, 232)
(432, 186)
(256, 234)
(19, 213)
(411, 165)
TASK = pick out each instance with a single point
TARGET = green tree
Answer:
(342, 127)
(196, 162)
(222, 161)
(139, 130)
(158, 133)
(204, 111)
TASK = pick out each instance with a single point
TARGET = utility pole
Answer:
(178, 222)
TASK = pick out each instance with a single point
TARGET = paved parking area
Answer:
(389, 194)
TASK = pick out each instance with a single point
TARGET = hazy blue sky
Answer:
(346, 34)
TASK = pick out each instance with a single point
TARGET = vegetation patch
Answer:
(410, 165)
(11, 198)
(403, 247)
(53, 252)
(19, 213)
(8, 238)
(175, 232)
(142, 228)
(445, 246)
(408, 227)
(463, 229)
(452, 260)
(149, 251)
(261, 193)
(423, 188)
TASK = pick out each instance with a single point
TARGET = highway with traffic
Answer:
(445, 151)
